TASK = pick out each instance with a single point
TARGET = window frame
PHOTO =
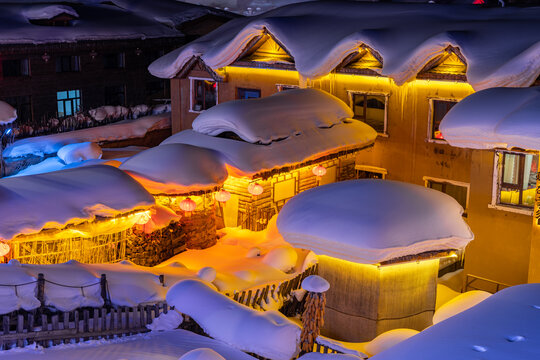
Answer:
(431, 112)
(350, 95)
(73, 109)
(20, 74)
(73, 59)
(466, 185)
(498, 160)
(238, 89)
(192, 94)
(282, 87)
(372, 169)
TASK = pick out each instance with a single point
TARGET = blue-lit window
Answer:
(242, 93)
(69, 102)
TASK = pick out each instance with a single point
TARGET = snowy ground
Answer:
(168, 345)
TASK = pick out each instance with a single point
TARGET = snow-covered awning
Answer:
(177, 169)
(275, 117)
(495, 118)
(499, 45)
(373, 221)
(29, 204)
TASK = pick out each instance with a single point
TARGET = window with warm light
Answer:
(370, 172)
(203, 94)
(517, 173)
(371, 109)
(438, 108)
(68, 102)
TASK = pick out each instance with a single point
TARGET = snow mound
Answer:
(275, 117)
(388, 339)
(269, 334)
(73, 153)
(169, 321)
(459, 304)
(370, 221)
(495, 118)
(72, 196)
(14, 298)
(8, 114)
(282, 258)
(177, 169)
(202, 354)
(315, 283)
(207, 273)
(108, 112)
(319, 356)
(46, 12)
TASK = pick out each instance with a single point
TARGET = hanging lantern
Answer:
(4, 249)
(319, 171)
(188, 205)
(255, 189)
(144, 218)
(223, 195)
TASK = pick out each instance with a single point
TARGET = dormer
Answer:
(267, 50)
(364, 61)
(51, 15)
(450, 65)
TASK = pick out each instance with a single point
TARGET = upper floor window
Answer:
(114, 61)
(68, 63)
(439, 108)
(371, 109)
(243, 93)
(68, 102)
(516, 178)
(15, 68)
(204, 94)
(456, 189)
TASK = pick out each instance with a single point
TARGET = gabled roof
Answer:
(499, 45)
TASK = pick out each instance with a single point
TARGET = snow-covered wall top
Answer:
(500, 45)
(29, 204)
(371, 221)
(177, 169)
(504, 326)
(495, 118)
(275, 117)
(247, 159)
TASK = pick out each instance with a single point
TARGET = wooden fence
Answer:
(52, 328)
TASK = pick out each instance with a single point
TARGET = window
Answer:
(69, 102)
(14, 68)
(283, 87)
(114, 61)
(242, 93)
(370, 172)
(516, 177)
(203, 94)
(23, 105)
(438, 108)
(115, 95)
(67, 64)
(456, 189)
(371, 109)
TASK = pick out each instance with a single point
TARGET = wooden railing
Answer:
(488, 285)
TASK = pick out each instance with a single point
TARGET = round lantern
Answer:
(188, 205)
(4, 249)
(255, 189)
(144, 218)
(319, 171)
(223, 195)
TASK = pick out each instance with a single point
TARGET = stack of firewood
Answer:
(312, 320)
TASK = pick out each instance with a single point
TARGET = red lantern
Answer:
(4, 249)
(223, 195)
(319, 171)
(188, 205)
(255, 189)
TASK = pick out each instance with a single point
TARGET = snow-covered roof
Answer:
(8, 114)
(495, 118)
(46, 11)
(499, 45)
(372, 221)
(504, 326)
(29, 204)
(275, 117)
(177, 169)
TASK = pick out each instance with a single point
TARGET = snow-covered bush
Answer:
(79, 152)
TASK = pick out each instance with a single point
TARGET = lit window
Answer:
(439, 108)
(67, 64)
(459, 191)
(370, 172)
(15, 68)
(204, 94)
(114, 61)
(283, 87)
(516, 178)
(242, 93)
(69, 102)
(371, 109)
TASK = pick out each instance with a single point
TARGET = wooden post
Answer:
(162, 280)
(313, 316)
(104, 290)
(41, 289)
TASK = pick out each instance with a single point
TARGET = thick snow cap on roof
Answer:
(8, 114)
(504, 326)
(29, 204)
(274, 117)
(500, 45)
(495, 118)
(46, 11)
(371, 221)
(177, 169)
